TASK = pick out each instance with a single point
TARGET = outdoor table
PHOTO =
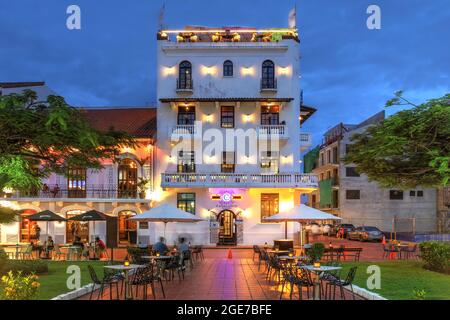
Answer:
(278, 252)
(156, 257)
(71, 250)
(399, 246)
(284, 244)
(125, 270)
(17, 246)
(317, 271)
(293, 257)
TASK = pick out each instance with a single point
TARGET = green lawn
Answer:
(400, 278)
(54, 283)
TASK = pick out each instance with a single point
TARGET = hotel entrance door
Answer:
(227, 228)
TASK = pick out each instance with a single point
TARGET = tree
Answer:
(408, 149)
(38, 138)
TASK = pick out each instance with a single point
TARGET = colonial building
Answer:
(347, 193)
(121, 189)
(237, 89)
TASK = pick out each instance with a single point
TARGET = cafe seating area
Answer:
(295, 269)
(62, 252)
(144, 269)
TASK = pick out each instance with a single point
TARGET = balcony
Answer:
(184, 86)
(266, 132)
(238, 180)
(92, 193)
(269, 85)
(305, 141)
(185, 131)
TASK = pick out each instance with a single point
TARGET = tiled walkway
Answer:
(372, 251)
(219, 278)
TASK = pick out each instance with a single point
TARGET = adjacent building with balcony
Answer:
(121, 189)
(241, 87)
(349, 194)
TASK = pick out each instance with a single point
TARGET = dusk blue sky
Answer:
(348, 71)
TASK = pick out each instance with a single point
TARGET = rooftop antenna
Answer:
(292, 19)
(161, 16)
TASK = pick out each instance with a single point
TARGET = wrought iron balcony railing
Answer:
(90, 192)
(210, 180)
(269, 84)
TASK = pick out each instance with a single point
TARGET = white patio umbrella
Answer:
(301, 213)
(166, 213)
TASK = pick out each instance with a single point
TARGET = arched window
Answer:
(127, 176)
(268, 75)
(185, 75)
(228, 68)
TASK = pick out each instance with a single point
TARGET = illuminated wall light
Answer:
(208, 70)
(286, 159)
(286, 206)
(284, 71)
(127, 150)
(247, 71)
(247, 117)
(247, 213)
(209, 118)
(168, 71)
(171, 159)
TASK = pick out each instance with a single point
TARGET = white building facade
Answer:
(228, 133)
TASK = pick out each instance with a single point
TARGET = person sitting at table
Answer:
(49, 245)
(161, 247)
(36, 247)
(183, 246)
(100, 247)
(78, 243)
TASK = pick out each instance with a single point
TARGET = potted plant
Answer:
(142, 186)
(316, 251)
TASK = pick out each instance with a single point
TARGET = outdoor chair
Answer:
(187, 259)
(197, 252)
(275, 268)
(329, 275)
(175, 264)
(107, 280)
(353, 252)
(386, 251)
(256, 252)
(145, 277)
(264, 257)
(409, 251)
(297, 277)
(118, 276)
(26, 253)
(341, 283)
(84, 253)
(57, 254)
